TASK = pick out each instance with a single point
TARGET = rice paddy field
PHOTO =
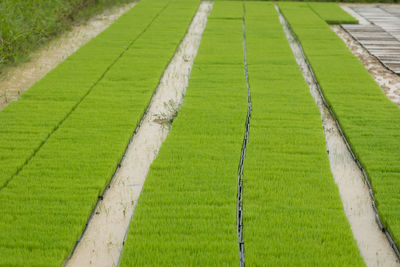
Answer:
(245, 164)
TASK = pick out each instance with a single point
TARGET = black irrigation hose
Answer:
(366, 178)
(239, 209)
(101, 197)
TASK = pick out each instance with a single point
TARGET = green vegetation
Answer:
(292, 209)
(61, 142)
(44, 208)
(332, 13)
(369, 120)
(293, 215)
(186, 215)
(27, 123)
(27, 24)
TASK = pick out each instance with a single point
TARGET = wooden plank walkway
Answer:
(382, 37)
(384, 16)
(392, 9)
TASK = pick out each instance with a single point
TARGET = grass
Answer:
(293, 215)
(46, 205)
(186, 215)
(26, 124)
(369, 120)
(27, 24)
(332, 13)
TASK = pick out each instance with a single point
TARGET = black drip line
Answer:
(239, 210)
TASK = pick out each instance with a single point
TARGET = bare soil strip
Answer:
(387, 80)
(17, 80)
(354, 193)
(103, 240)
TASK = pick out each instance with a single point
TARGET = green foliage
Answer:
(186, 215)
(292, 209)
(332, 13)
(370, 121)
(26, 24)
(45, 207)
(26, 123)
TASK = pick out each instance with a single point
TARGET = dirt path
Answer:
(103, 240)
(17, 80)
(387, 80)
(354, 193)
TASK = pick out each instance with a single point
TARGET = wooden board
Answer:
(382, 37)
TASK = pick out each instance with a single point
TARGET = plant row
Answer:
(45, 207)
(371, 123)
(187, 209)
(28, 122)
(293, 215)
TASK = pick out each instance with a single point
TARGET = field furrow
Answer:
(45, 207)
(371, 123)
(293, 215)
(186, 215)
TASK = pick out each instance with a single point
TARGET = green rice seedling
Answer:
(332, 13)
(45, 207)
(293, 215)
(186, 214)
(369, 120)
(27, 123)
